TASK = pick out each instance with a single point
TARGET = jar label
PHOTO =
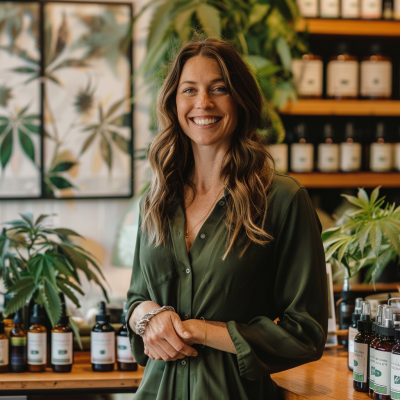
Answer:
(381, 157)
(308, 77)
(376, 78)
(61, 348)
(102, 347)
(280, 154)
(382, 372)
(350, 157)
(328, 157)
(308, 8)
(352, 334)
(371, 368)
(302, 157)
(371, 9)
(396, 9)
(350, 9)
(329, 8)
(124, 353)
(360, 369)
(37, 348)
(3, 352)
(395, 377)
(396, 155)
(342, 78)
(18, 341)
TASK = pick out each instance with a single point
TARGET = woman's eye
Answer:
(220, 89)
(188, 91)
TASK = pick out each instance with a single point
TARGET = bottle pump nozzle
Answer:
(365, 311)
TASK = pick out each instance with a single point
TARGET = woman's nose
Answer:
(204, 100)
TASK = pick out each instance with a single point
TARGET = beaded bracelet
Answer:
(140, 326)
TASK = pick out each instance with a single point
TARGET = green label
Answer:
(378, 373)
(395, 395)
(397, 380)
(62, 352)
(122, 347)
(371, 384)
(380, 389)
(355, 363)
(34, 352)
(61, 360)
(18, 341)
(358, 377)
(372, 370)
(102, 352)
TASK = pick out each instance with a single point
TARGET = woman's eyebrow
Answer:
(193, 83)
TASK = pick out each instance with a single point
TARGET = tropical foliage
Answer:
(368, 236)
(37, 262)
(262, 30)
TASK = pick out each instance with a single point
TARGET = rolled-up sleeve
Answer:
(300, 296)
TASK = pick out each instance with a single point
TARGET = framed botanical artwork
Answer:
(83, 72)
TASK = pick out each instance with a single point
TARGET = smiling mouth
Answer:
(205, 121)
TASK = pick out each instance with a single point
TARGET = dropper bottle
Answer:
(361, 349)
(3, 347)
(102, 342)
(37, 342)
(374, 341)
(395, 367)
(353, 332)
(125, 360)
(383, 353)
(17, 345)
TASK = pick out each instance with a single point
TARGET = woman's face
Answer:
(206, 111)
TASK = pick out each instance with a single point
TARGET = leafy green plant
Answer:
(37, 262)
(263, 31)
(368, 236)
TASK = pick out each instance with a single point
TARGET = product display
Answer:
(342, 74)
(350, 9)
(279, 152)
(302, 151)
(350, 151)
(37, 342)
(308, 76)
(125, 360)
(328, 151)
(3, 347)
(395, 367)
(329, 8)
(352, 332)
(17, 345)
(102, 342)
(371, 9)
(381, 152)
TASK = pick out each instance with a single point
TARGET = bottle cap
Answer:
(37, 318)
(124, 312)
(357, 310)
(380, 130)
(328, 131)
(1, 324)
(365, 323)
(350, 131)
(102, 316)
(17, 318)
(379, 315)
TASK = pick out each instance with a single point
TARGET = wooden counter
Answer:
(328, 378)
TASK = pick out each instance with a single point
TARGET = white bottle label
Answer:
(124, 353)
(4, 352)
(102, 347)
(61, 348)
(381, 157)
(352, 334)
(360, 369)
(37, 348)
(371, 9)
(395, 377)
(382, 372)
(302, 157)
(280, 154)
(328, 157)
(376, 78)
(350, 157)
(329, 8)
(308, 8)
(371, 368)
(396, 151)
(351, 9)
(342, 78)
(396, 9)
(308, 77)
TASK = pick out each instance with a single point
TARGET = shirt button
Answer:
(203, 236)
(188, 271)
(221, 203)
(186, 316)
(183, 362)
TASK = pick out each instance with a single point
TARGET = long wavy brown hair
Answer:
(247, 166)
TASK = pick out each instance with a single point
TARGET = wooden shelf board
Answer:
(356, 27)
(348, 180)
(343, 107)
(363, 287)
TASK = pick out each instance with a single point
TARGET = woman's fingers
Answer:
(152, 352)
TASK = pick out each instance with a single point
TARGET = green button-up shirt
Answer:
(285, 279)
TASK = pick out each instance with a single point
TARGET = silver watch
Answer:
(140, 326)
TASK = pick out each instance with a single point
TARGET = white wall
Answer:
(98, 220)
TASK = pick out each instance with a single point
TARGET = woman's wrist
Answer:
(140, 311)
(196, 329)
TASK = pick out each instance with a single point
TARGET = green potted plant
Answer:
(37, 262)
(367, 236)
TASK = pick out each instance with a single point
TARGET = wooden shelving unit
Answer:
(388, 108)
(354, 27)
(348, 180)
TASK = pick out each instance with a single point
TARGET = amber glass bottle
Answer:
(125, 360)
(37, 342)
(383, 353)
(8, 321)
(62, 353)
(102, 342)
(3, 347)
(17, 345)
(375, 340)
(361, 349)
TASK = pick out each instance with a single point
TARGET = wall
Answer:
(98, 220)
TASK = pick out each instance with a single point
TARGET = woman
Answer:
(230, 245)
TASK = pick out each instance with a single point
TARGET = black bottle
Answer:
(375, 340)
(18, 345)
(102, 342)
(346, 306)
(125, 360)
(361, 349)
(353, 332)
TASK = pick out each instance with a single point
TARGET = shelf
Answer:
(343, 107)
(355, 27)
(348, 180)
(366, 287)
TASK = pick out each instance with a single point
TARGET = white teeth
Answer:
(205, 121)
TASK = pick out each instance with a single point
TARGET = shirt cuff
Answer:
(136, 342)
